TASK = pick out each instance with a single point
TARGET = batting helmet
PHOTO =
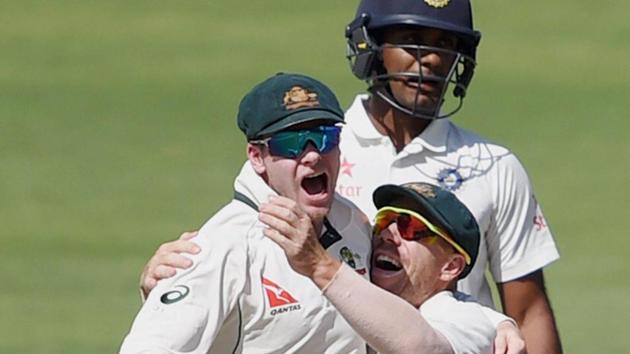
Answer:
(452, 16)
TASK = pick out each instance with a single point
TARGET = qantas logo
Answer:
(280, 300)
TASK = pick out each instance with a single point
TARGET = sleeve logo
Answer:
(175, 295)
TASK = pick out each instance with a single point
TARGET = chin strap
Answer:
(382, 91)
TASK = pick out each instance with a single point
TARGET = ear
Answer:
(255, 157)
(453, 267)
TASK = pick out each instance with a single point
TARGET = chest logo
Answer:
(346, 167)
(352, 259)
(450, 179)
(279, 299)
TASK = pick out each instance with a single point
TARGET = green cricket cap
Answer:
(438, 206)
(284, 100)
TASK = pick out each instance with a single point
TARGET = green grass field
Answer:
(117, 132)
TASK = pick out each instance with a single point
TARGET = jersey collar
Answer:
(432, 138)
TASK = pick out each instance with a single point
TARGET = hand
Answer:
(166, 260)
(509, 339)
(293, 230)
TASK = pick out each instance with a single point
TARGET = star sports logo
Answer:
(346, 167)
(279, 299)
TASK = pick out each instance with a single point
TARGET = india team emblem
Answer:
(450, 179)
(437, 3)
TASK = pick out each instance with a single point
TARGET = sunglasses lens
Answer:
(329, 138)
(285, 144)
(292, 144)
(383, 219)
(409, 228)
(414, 229)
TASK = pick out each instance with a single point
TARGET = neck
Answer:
(400, 127)
(452, 286)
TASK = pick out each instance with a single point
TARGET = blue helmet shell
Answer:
(455, 17)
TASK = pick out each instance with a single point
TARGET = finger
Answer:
(188, 235)
(174, 260)
(279, 211)
(282, 201)
(162, 272)
(277, 237)
(288, 204)
(150, 278)
(147, 285)
(500, 345)
(178, 246)
(281, 226)
(515, 346)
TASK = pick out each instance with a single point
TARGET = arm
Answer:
(386, 322)
(525, 300)
(187, 311)
(366, 307)
(520, 245)
(166, 260)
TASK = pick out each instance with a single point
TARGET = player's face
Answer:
(432, 64)
(413, 270)
(309, 178)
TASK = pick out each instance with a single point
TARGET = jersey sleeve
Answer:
(519, 241)
(385, 321)
(184, 313)
(463, 324)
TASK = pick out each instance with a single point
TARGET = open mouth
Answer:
(430, 84)
(387, 263)
(315, 184)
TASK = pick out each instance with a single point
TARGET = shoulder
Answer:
(231, 226)
(461, 137)
(461, 320)
(455, 307)
(345, 214)
(485, 154)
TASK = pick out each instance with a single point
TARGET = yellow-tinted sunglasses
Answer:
(412, 227)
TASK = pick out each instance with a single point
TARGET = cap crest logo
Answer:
(298, 97)
(423, 189)
(437, 3)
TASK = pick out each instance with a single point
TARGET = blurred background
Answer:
(117, 132)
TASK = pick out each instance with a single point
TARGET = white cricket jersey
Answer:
(486, 177)
(462, 321)
(241, 295)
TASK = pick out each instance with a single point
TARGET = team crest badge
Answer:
(437, 3)
(422, 188)
(352, 259)
(450, 179)
(298, 97)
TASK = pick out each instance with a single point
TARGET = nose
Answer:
(430, 59)
(311, 155)
(390, 234)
